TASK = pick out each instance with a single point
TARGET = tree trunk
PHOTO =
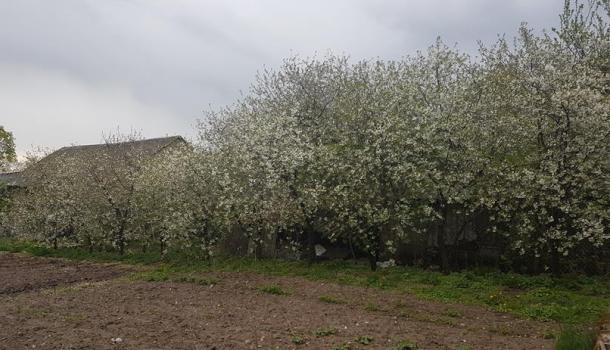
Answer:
(441, 237)
(373, 258)
(441, 207)
(311, 245)
(442, 251)
(121, 241)
(121, 247)
(555, 261)
(351, 246)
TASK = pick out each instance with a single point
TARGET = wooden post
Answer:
(603, 339)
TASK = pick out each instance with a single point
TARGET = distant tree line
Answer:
(413, 160)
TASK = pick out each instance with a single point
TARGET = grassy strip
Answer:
(575, 339)
(571, 300)
(78, 253)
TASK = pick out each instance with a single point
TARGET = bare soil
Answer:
(41, 308)
(19, 273)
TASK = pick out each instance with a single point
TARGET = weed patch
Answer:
(331, 299)
(273, 289)
(574, 339)
(405, 345)
(298, 340)
(364, 340)
(325, 332)
(372, 307)
(452, 313)
(166, 274)
(344, 346)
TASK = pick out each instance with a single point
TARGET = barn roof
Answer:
(141, 149)
(147, 147)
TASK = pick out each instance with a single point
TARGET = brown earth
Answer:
(233, 313)
(19, 273)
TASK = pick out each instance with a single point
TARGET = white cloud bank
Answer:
(70, 69)
(53, 109)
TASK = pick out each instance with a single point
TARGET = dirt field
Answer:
(54, 304)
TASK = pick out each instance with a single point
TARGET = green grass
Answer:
(452, 313)
(273, 289)
(329, 299)
(570, 300)
(79, 254)
(344, 346)
(573, 339)
(165, 274)
(325, 332)
(364, 339)
(405, 345)
(298, 339)
(371, 307)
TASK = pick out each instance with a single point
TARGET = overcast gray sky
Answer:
(73, 69)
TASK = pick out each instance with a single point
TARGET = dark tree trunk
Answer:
(121, 240)
(441, 238)
(442, 251)
(311, 245)
(555, 261)
(161, 246)
(121, 247)
(351, 246)
(377, 245)
(373, 258)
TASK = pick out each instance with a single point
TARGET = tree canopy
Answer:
(7, 147)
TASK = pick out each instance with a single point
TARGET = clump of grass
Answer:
(502, 329)
(273, 289)
(364, 339)
(344, 346)
(452, 313)
(372, 307)
(298, 340)
(405, 345)
(331, 299)
(573, 339)
(549, 335)
(166, 274)
(432, 278)
(158, 275)
(202, 281)
(325, 332)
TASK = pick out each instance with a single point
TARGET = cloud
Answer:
(52, 109)
(135, 59)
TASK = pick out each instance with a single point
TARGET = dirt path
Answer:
(235, 314)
